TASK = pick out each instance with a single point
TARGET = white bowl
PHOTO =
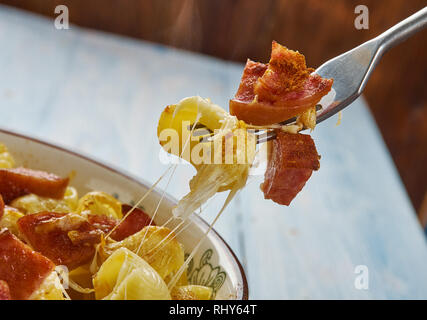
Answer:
(214, 265)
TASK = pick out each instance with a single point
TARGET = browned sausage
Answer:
(17, 182)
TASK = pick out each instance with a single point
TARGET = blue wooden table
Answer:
(103, 94)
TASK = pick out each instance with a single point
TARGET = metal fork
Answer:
(352, 69)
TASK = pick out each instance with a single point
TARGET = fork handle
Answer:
(403, 30)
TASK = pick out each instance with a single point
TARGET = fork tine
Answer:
(265, 136)
(261, 135)
(289, 121)
(206, 139)
(197, 126)
(201, 132)
(293, 120)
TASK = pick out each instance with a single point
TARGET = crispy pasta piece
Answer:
(32, 203)
(10, 220)
(100, 203)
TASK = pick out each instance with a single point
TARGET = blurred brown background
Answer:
(238, 29)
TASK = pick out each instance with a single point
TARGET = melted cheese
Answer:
(228, 153)
(126, 276)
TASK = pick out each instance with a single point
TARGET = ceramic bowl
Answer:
(214, 265)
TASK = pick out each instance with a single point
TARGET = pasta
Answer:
(50, 289)
(32, 203)
(116, 252)
(227, 156)
(191, 292)
(100, 203)
(9, 220)
(126, 276)
(157, 246)
(6, 159)
(77, 235)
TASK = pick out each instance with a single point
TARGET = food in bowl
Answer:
(222, 146)
(112, 250)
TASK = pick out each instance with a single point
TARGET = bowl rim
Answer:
(242, 294)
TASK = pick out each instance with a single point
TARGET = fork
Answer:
(352, 69)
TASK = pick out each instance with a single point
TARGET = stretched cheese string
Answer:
(166, 240)
(339, 118)
(185, 265)
(170, 178)
(76, 287)
(179, 273)
(172, 166)
(138, 202)
(94, 264)
(175, 234)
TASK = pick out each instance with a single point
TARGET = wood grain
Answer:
(236, 30)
